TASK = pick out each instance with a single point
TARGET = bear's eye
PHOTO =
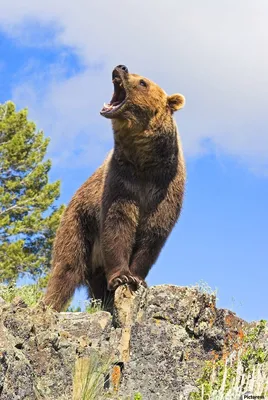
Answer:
(143, 83)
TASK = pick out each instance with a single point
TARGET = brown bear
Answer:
(118, 221)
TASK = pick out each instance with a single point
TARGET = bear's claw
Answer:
(125, 280)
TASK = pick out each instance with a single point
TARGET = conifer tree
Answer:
(28, 216)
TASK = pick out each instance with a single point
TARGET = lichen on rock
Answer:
(162, 342)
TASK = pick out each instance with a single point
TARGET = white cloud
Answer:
(69, 114)
(215, 53)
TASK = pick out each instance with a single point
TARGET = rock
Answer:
(2, 301)
(156, 343)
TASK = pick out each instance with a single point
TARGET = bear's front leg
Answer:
(149, 243)
(118, 228)
(154, 231)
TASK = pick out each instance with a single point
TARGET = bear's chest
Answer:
(147, 187)
(145, 194)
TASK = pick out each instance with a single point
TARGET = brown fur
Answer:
(118, 221)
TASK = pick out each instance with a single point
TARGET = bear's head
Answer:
(138, 103)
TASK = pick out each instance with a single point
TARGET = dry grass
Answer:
(256, 383)
(233, 382)
(89, 377)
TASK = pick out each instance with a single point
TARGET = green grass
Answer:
(233, 382)
(137, 396)
(244, 371)
(30, 294)
(91, 306)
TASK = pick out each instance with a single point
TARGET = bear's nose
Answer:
(123, 67)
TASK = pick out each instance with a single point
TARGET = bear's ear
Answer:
(176, 101)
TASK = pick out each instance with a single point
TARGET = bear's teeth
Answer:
(109, 106)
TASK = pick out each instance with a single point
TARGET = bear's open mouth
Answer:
(118, 99)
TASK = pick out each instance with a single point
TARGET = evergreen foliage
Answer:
(28, 218)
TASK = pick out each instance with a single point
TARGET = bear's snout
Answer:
(123, 67)
(118, 69)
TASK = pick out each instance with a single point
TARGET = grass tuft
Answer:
(90, 376)
(30, 294)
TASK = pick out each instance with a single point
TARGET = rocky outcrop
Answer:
(157, 343)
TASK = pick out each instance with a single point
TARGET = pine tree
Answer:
(28, 218)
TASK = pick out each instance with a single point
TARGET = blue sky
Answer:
(57, 61)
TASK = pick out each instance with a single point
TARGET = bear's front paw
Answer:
(143, 283)
(124, 279)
